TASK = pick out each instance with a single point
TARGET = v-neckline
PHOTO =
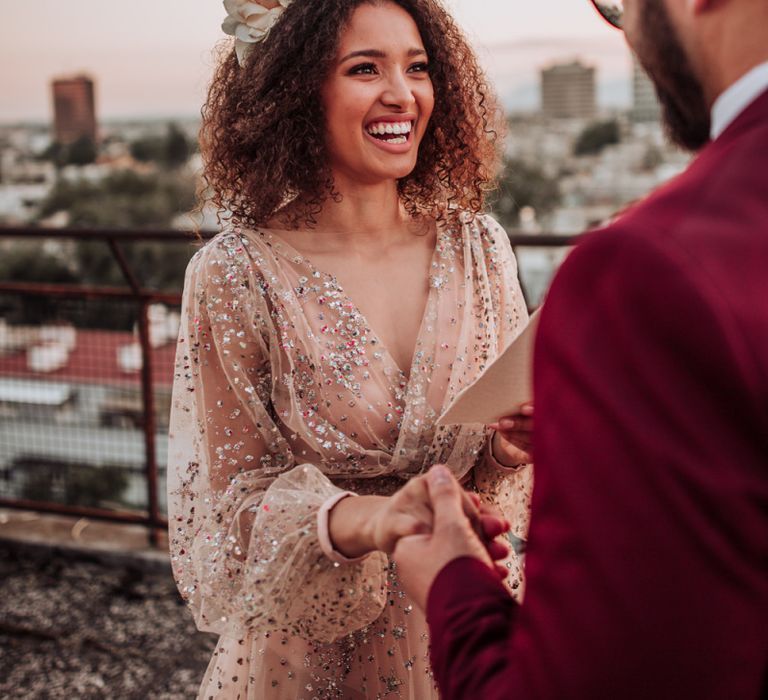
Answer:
(277, 241)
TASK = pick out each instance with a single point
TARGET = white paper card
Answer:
(502, 388)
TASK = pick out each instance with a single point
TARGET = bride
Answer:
(355, 291)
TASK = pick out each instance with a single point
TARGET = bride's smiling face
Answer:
(378, 97)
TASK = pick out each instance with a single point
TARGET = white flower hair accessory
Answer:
(249, 22)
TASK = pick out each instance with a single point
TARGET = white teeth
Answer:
(397, 139)
(396, 128)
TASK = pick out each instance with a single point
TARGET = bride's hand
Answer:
(367, 523)
(407, 512)
(511, 443)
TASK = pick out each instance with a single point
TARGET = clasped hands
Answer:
(454, 534)
(431, 520)
(365, 524)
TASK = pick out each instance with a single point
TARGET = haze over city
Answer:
(154, 59)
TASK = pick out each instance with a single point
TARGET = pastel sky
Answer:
(153, 57)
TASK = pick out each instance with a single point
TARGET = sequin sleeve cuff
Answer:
(324, 532)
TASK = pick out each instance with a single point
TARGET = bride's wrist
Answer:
(352, 525)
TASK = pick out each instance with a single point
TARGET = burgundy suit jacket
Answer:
(647, 561)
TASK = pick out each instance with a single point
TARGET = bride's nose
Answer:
(398, 93)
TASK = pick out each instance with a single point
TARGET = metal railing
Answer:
(138, 296)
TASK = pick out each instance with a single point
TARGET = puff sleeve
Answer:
(242, 514)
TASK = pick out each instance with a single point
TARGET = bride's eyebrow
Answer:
(377, 53)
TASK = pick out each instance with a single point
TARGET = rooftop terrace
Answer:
(88, 607)
(87, 611)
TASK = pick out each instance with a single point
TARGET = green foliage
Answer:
(72, 484)
(523, 185)
(123, 199)
(156, 265)
(81, 152)
(27, 263)
(147, 149)
(52, 153)
(177, 148)
(596, 137)
(171, 150)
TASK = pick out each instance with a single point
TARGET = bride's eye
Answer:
(363, 69)
(422, 67)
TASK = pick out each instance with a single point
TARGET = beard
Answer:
(684, 107)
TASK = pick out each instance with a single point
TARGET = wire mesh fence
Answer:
(86, 367)
(71, 402)
(86, 371)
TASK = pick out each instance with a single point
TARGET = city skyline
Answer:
(155, 61)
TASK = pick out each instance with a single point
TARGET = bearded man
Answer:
(647, 562)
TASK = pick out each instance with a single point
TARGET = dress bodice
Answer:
(284, 396)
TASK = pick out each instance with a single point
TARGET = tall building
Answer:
(645, 103)
(568, 91)
(74, 109)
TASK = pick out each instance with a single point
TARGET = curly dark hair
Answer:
(263, 138)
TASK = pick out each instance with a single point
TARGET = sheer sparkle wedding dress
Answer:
(283, 397)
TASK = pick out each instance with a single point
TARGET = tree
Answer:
(523, 185)
(27, 263)
(147, 149)
(123, 199)
(170, 151)
(81, 152)
(177, 147)
(596, 137)
(74, 484)
(52, 153)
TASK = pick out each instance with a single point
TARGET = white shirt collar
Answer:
(737, 98)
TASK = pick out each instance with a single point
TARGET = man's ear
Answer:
(700, 6)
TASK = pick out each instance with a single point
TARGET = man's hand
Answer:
(369, 523)
(420, 558)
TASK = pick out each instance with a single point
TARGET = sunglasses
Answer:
(612, 11)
